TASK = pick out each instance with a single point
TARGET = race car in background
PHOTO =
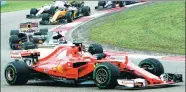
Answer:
(66, 14)
(76, 64)
(50, 9)
(27, 37)
(112, 4)
(54, 39)
(131, 2)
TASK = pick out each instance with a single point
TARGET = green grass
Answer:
(22, 5)
(158, 27)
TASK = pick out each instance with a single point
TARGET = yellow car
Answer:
(66, 14)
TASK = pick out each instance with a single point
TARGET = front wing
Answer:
(33, 16)
(167, 78)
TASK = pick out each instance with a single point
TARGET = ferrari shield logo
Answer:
(60, 69)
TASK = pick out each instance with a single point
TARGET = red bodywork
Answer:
(59, 63)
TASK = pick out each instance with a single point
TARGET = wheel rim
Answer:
(10, 74)
(102, 76)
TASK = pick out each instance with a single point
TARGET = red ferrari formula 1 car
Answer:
(78, 64)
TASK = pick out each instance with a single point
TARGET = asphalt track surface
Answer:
(11, 21)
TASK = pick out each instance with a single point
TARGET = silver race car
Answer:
(51, 8)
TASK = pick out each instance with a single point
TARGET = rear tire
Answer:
(95, 49)
(14, 39)
(99, 56)
(86, 11)
(105, 75)
(69, 17)
(45, 17)
(16, 73)
(14, 32)
(152, 65)
(113, 4)
(52, 10)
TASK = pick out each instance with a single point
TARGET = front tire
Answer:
(16, 73)
(95, 49)
(105, 75)
(28, 45)
(45, 17)
(86, 11)
(121, 3)
(101, 3)
(44, 31)
(69, 17)
(152, 65)
(14, 39)
(113, 4)
(33, 11)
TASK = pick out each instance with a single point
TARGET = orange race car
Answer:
(66, 14)
(77, 63)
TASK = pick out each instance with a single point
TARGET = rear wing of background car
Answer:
(29, 25)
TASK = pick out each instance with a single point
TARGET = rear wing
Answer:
(29, 25)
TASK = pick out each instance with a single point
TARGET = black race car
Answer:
(107, 4)
(27, 37)
(112, 4)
